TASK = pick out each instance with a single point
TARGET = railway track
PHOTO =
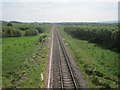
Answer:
(67, 76)
(65, 73)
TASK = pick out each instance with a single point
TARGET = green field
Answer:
(23, 61)
(99, 65)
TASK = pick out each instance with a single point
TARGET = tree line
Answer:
(18, 30)
(107, 36)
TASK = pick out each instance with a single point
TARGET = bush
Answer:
(9, 24)
(105, 36)
(19, 29)
(40, 30)
(31, 32)
(8, 31)
(17, 33)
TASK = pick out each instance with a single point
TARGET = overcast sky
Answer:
(59, 10)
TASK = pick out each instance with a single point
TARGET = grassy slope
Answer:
(99, 66)
(24, 61)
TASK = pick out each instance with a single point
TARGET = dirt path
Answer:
(62, 71)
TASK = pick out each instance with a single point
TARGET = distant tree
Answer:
(9, 24)
(0, 33)
(31, 32)
(8, 31)
(40, 30)
(107, 36)
(16, 33)
(117, 41)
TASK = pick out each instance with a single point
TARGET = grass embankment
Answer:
(23, 61)
(99, 66)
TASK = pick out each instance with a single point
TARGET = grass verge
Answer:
(23, 61)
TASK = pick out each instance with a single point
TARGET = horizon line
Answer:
(58, 21)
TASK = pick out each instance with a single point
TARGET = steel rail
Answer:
(67, 61)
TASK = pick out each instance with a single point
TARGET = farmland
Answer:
(24, 55)
(96, 52)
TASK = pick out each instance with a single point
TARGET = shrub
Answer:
(17, 33)
(8, 31)
(40, 30)
(9, 24)
(105, 36)
(31, 32)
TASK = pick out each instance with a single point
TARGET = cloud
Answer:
(54, 11)
(60, 0)
(0, 11)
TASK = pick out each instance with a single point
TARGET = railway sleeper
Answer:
(66, 72)
(68, 85)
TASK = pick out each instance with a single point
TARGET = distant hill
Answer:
(109, 22)
(17, 22)
(3, 22)
(76, 23)
(13, 22)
